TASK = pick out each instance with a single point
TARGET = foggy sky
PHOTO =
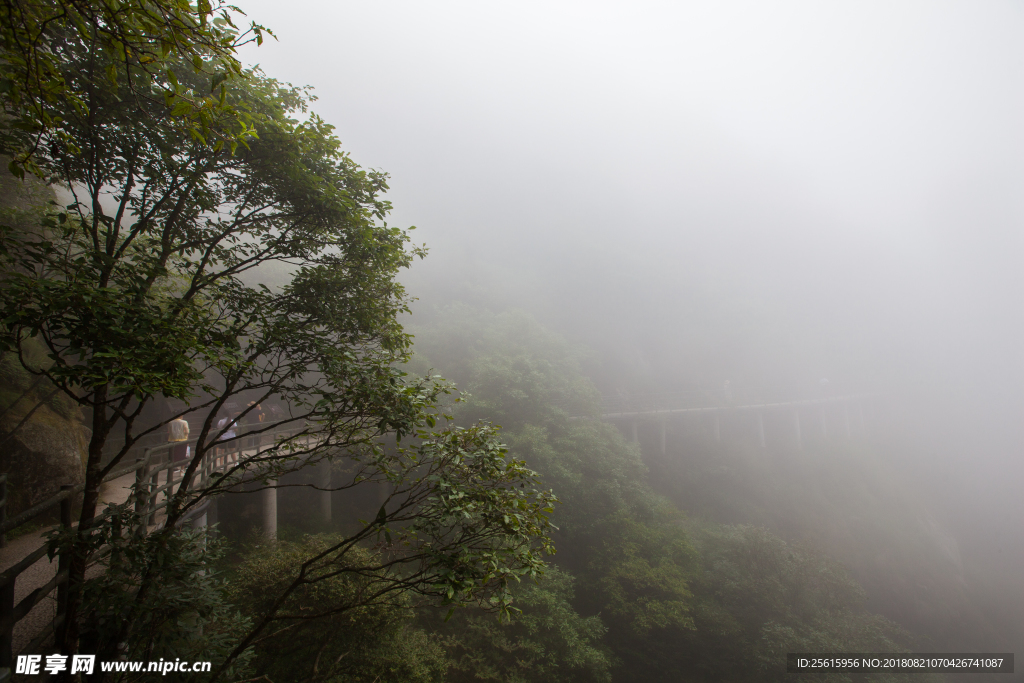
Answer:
(770, 192)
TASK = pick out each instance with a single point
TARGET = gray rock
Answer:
(46, 452)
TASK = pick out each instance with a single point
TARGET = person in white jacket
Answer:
(229, 426)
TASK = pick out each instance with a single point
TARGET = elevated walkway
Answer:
(832, 417)
(33, 587)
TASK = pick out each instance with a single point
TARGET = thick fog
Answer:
(763, 192)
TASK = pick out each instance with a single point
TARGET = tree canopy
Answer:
(140, 291)
(142, 45)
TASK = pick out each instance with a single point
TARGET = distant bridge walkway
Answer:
(830, 417)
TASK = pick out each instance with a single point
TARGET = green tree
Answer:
(142, 43)
(137, 290)
(187, 615)
(360, 639)
(547, 642)
(756, 598)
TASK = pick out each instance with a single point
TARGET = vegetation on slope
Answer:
(681, 600)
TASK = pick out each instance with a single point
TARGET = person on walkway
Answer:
(228, 424)
(177, 431)
(257, 417)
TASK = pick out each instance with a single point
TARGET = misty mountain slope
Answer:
(681, 601)
(847, 500)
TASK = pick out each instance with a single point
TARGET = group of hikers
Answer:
(226, 428)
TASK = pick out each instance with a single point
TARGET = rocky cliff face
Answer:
(43, 441)
(47, 452)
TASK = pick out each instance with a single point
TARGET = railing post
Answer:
(6, 609)
(270, 510)
(151, 499)
(325, 493)
(141, 496)
(63, 562)
(3, 507)
(169, 480)
(207, 468)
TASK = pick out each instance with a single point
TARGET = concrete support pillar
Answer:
(760, 428)
(718, 427)
(824, 424)
(861, 424)
(796, 428)
(662, 426)
(270, 511)
(212, 513)
(200, 521)
(632, 430)
(325, 495)
(846, 420)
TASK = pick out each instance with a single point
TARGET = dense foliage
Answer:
(548, 642)
(364, 637)
(187, 613)
(141, 45)
(136, 292)
(681, 601)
